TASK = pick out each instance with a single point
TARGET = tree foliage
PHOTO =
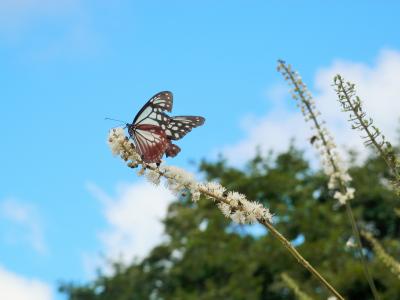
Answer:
(205, 256)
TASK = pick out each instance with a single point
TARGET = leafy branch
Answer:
(350, 102)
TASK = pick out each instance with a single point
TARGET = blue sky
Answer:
(67, 64)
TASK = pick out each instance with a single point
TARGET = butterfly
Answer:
(153, 131)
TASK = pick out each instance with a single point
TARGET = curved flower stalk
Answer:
(322, 140)
(232, 204)
(383, 256)
(351, 103)
(292, 284)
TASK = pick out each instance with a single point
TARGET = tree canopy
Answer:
(206, 256)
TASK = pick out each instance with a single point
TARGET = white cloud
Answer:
(24, 224)
(16, 287)
(377, 85)
(271, 132)
(134, 217)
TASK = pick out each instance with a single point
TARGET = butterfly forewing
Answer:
(152, 112)
(158, 103)
(162, 101)
(179, 126)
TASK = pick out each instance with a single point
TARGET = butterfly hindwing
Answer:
(179, 126)
(172, 150)
(151, 142)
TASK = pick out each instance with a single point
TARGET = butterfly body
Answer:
(152, 130)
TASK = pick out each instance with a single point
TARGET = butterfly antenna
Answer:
(122, 122)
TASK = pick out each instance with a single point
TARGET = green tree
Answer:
(208, 257)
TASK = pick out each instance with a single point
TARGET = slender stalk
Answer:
(292, 284)
(356, 233)
(300, 259)
(342, 185)
(390, 262)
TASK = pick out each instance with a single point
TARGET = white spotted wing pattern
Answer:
(152, 129)
(179, 126)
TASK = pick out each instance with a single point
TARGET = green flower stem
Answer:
(300, 259)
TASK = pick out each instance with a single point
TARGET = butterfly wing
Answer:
(151, 142)
(155, 106)
(152, 130)
(162, 101)
(179, 126)
(172, 150)
(148, 127)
